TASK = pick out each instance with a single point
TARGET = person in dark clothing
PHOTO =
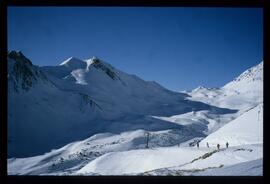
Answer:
(227, 144)
(198, 145)
(207, 145)
(218, 146)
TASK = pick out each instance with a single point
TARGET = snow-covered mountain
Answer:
(80, 98)
(243, 93)
(39, 111)
(85, 117)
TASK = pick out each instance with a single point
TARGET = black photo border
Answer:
(4, 4)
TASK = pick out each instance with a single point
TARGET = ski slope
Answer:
(77, 154)
(246, 129)
(172, 158)
(125, 154)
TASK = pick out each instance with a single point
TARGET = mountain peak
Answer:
(199, 88)
(22, 72)
(19, 57)
(252, 75)
(74, 62)
(97, 63)
(103, 66)
(95, 58)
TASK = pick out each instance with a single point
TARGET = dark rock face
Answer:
(99, 65)
(24, 73)
(19, 57)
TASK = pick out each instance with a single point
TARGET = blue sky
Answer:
(180, 48)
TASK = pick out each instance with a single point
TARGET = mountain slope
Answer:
(209, 161)
(133, 95)
(243, 93)
(185, 160)
(76, 155)
(77, 99)
(245, 129)
(38, 111)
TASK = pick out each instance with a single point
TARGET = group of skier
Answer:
(207, 144)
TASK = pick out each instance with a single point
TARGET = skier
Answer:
(207, 145)
(218, 146)
(198, 145)
(227, 144)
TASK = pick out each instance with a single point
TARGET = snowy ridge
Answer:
(252, 75)
(243, 93)
(74, 63)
